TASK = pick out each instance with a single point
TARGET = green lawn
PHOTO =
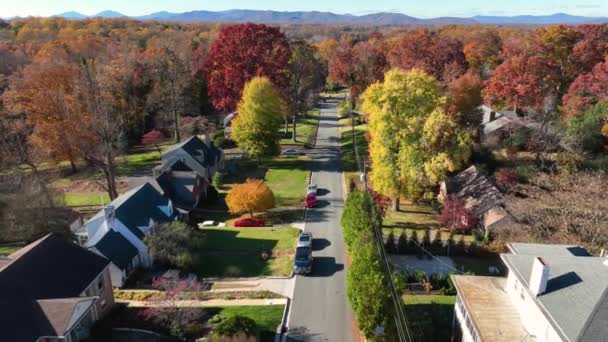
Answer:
(267, 317)
(7, 250)
(73, 199)
(286, 176)
(237, 252)
(416, 217)
(133, 162)
(429, 316)
(305, 130)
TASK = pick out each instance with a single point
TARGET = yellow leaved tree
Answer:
(253, 195)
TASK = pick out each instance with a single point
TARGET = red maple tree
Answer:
(154, 138)
(587, 90)
(455, 215)
(240, 53)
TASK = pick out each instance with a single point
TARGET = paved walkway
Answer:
(203, 303)
(283, 287)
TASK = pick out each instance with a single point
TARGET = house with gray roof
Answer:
(186, 171)
(495, 124)
(118, 231)
(551, 293)
(52, 290)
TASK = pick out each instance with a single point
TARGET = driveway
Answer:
(319, 309)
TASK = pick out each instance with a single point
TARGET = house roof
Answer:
(490, 307)
(204, 155)
(479, 193)
(508, 121)
(50, 267)
(39, 286)
(136, 207)
(179, 187)
(117, 248)
(576, 298)
(494, 215)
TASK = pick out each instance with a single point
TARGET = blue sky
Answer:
(418, 8)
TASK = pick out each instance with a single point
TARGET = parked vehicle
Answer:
(311, 189)
(292, 152)
(211, 224)
(250, 222)
(305, 239)
(311, 202)
(303, 261)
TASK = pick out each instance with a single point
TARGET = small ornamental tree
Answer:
(253, 195)
(455, 215)
(171, 244)
(174, 309)
(153, 138)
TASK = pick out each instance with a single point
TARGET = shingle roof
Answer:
(117, 248)
(51, 268)
(136, 207)
(479, 193)
(575, 300)
(39, 285)
(204, 155)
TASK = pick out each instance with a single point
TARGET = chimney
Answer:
(207, 139)
(109, 214)
(539, 277)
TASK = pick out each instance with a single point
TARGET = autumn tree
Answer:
(172, 67)
(437, 55)
(455, 215)
(306, 80)
(464, 97)
(587, 90)
(240, 53)
(556, 43)
(591, 49)
(357, 66)
(259, 118)
(414, 143)
(483, 52)
(327, 49)
(46, 91)
(154, 138)
(523, 81)
(251, 196)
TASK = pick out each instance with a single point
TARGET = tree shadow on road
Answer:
(325, 267)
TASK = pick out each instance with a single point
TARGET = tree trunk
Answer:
(110, 176)
(294, 129)
(395, 204)
(286, 126)
(73, 165)
(43, 185)
(251, 213)
(174, 114)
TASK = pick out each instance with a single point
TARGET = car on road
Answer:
(292, 152)
(311, 201)
(305, 239)
(302, 263)
(211, 224)
(250, 222)
(311, 189)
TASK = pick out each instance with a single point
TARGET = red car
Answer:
(311, 202)
(249, 222)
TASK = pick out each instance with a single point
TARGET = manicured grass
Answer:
(415, 217)
(305, 129)
(73, 199)
(349, 158)
(429, 316)
(266, 317)
(7, 250)
(136, 161)
(236, 252)
(250, 239)
(286, 176)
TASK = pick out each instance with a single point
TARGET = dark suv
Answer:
(303, 260)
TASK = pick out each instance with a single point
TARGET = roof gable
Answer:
(51, 268)
(201, 153)
(117, 248)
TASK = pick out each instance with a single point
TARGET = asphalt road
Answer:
(319, 309)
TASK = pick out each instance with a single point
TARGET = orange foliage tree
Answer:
(253, 195)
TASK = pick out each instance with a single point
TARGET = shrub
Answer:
(218, 180)
(220, 142)
(569, 162)
(389, 245)
(356, 220)
(402, 243)
(419, 276)
(519, 139)
(414, 242)
(173, 243)
(218, 133)
(426, 238)
(524, 173)
(343, 108)
(236, 325)
(484, 156)
(506, 179)
(479, 235)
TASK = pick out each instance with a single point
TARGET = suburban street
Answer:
(319, 310)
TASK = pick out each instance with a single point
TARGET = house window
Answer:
(100, 283)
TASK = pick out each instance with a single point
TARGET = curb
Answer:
(282, 328)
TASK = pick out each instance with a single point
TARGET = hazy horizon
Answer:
(428, 9)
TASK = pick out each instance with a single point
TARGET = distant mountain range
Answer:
(302, 17)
